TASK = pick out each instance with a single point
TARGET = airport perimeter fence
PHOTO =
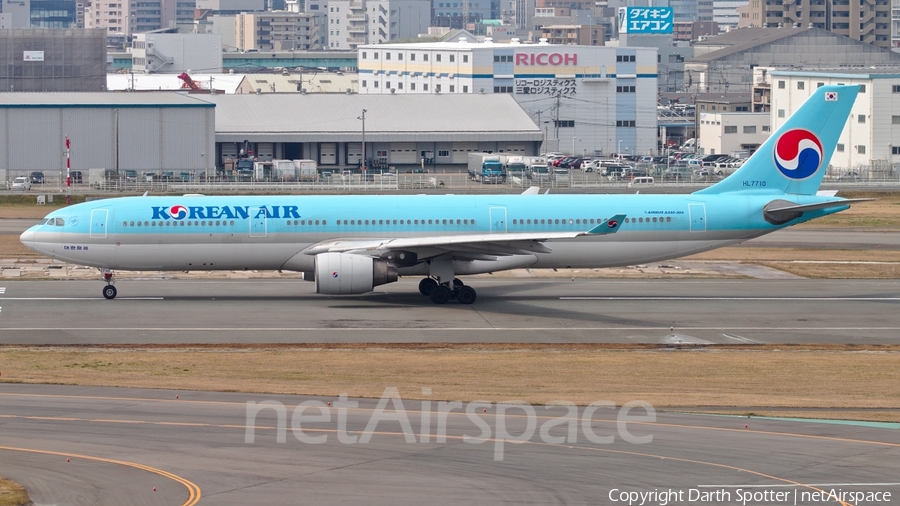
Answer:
(575, 179)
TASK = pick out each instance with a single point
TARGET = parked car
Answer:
(76, 176)
(849, 176)
(36, 177)
(21, 183)
(131, 176)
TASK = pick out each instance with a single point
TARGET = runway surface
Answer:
(507, 310)
(198, 444)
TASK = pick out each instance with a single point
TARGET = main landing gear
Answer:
(441, 293)
(109, 291)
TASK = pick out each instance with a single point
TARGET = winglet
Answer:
(609, 226)
(532, 190)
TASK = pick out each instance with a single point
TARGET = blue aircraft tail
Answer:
(794, 159)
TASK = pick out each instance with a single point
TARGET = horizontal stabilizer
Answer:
(609, 226)
(532, 190)
(779, 212)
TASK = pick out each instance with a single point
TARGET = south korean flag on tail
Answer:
(831, 96)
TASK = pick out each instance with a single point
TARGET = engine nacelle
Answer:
(347, 273)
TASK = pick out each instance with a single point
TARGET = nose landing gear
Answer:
(109, 291)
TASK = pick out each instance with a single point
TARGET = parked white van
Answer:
(641, 181)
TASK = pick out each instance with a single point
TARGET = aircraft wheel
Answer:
(466, 295)
(426, 286)
(109, 292)
(440, 295)
(457, 283)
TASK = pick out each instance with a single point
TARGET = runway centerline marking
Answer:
(742, 299)
(193, 490)
(428, 329)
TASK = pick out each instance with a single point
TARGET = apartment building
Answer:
(280, 31)
(867, 21)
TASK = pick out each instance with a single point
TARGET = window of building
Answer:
(387, 56)
(437, 88)
(780, 85)
(425, 57)
(801, 85)
(412, 56)
(364, 83)
(895, 150)
(503, 89)
(625, 123)
(861, 149)
(839, 148)
(819, 85)
(465, 89)
(896, 88)
(375, 56)
(895, 120)
(452, 88)
(861, 118)
(425, 87)
(730, 129)
(780, 113)
(452, 57)
(437, 57)
(625, 89)
(399, 56)
(465, 58)
(749, 129)
(862, 88)
(387, 85)
(363, 55)
(443, 153)
(412, 86)
(765, 128)
(399, 86)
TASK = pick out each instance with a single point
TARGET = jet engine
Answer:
(348, 273)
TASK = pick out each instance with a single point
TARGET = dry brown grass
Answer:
(777, 377)
(12, 494)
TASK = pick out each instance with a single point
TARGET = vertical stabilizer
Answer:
(794, 159)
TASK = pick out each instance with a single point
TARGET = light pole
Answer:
(362, 157)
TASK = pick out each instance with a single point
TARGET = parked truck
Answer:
(538, 169)
(305, 170)
(515, 165)
(487, 168)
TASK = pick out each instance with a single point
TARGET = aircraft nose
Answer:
(27, 238)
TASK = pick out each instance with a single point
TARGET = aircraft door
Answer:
(697, 213)
(498, 220)
(258, 222)
(99, 218)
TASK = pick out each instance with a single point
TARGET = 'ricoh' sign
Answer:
(549, 59)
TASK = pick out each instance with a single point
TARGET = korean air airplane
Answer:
(350, 244)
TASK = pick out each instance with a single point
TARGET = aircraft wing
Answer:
(472, 244)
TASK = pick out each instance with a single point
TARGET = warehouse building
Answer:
(200, 132)
(140, 131)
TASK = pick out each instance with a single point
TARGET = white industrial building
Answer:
(586, 99)
(870, 143)
(176, 52)
(117, 131)
(733, 132)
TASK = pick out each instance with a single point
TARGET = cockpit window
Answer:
(43, 222)
(60, 222)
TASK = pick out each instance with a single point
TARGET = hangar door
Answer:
(265, 151)
(461, 150)
(229, 151)
(353, 152)
(327, 153)
(403, 152)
